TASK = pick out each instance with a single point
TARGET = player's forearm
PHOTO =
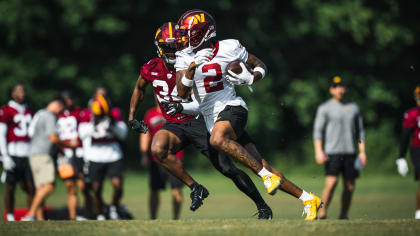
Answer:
(254, 62)
(184, 82)
(145, 142)
(318, 146)
(136, 98)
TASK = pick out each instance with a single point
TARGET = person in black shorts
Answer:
(411, 127)
(338, 135)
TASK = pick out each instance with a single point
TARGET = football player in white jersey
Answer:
(201, 66)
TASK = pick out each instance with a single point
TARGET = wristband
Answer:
(187, 82)
(261, 70)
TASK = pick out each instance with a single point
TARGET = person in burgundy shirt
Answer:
(158, 175)
(184, 125)
(411, 125)
(67, 125)
(14, 148)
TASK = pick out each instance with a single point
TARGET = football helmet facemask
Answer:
(194, 28)
(165, 42)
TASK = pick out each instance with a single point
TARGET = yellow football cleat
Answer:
(272, 183)
(311, 207)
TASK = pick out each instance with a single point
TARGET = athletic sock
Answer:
(305, 196)
(417, 216)
(263, 172)
(10, 217)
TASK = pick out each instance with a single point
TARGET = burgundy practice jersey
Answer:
(164, 87)
(412, 121)
(67, 125)
(17, 118)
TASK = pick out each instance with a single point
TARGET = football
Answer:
(236, 68)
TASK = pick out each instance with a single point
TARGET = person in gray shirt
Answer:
(339, 141)
(43, 133)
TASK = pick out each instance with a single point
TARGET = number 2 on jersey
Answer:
(216, 79)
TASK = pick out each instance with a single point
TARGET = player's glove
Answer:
(244, 78)
(138, 126)
(203, 56)
(402, 166)
(8, 163)
(172, 108)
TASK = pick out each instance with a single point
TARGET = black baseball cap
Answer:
(337, 81)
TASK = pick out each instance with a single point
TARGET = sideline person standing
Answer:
(43, 133)
(338, 133)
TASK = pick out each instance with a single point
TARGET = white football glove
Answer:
(402, 166)
(244, 78)
(203, 56)
(8, 163)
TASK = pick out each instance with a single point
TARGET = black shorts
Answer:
(97, 171)
(192, 132)
(159, 176)
(415, 159)
(342, 163)
(237, 116)
(21, 173)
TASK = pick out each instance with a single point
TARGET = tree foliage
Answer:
(79, 44)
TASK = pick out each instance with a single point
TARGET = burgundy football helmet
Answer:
(165, 42)
(194, 28)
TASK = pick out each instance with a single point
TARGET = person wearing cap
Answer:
(339, 141)
(411, 124)
(101, 133)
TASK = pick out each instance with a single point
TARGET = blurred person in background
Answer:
(338, 134)
(101, 133)
(14, 148)
(158, 175)
(67, 125)
(44, 134)
(411, 124)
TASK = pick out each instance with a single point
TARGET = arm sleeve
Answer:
(191, 108)
(319, 124)
(50, 124)
(120, 130)
(3, 139)
(360, 127)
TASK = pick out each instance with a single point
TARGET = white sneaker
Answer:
(27, 218)
(113, 214)
(10, 217)
(80, 218)
(417, 216)
(100, 217)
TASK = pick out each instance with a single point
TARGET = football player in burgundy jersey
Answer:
(101, 133)
(67, 125)
(411, 125)
(183, 129)
(201, 65)
(14, 147)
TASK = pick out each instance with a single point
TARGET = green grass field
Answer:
(382, 206)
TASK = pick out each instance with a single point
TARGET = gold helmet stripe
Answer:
(104, 104)
(170, 29)
(157, 32)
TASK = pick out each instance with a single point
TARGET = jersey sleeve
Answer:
(145, 71)
(4, 115)
(409, 120)
(319, 124)
(183, 60)
(237, 51)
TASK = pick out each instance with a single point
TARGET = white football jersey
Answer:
(212, 90)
